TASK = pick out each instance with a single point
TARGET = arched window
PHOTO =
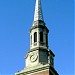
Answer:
(31, 39)
(35, 37)
(46, 39)
(51, 60)
(41, 36)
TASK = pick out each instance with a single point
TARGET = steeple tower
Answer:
(38, 31)
(39, 59)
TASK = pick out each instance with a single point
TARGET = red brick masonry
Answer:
(42, 73)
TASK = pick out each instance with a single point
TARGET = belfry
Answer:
(39, 59)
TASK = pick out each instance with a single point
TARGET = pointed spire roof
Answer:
(38, 17)
(38, 11)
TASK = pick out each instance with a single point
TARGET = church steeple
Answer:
(38, 15)
(38, 31)
(39, 59)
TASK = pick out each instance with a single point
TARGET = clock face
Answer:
(33, 57)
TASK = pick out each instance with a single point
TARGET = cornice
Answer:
(33, 69)
(39, 26)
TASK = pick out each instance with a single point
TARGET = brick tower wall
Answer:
(42, 73)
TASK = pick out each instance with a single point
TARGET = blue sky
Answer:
(16, 17)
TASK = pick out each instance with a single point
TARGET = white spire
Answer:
(38, 11)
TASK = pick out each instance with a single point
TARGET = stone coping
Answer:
(37, 68)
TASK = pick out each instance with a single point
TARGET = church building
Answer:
(39, 59)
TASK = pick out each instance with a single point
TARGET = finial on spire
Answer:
(38, 11)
